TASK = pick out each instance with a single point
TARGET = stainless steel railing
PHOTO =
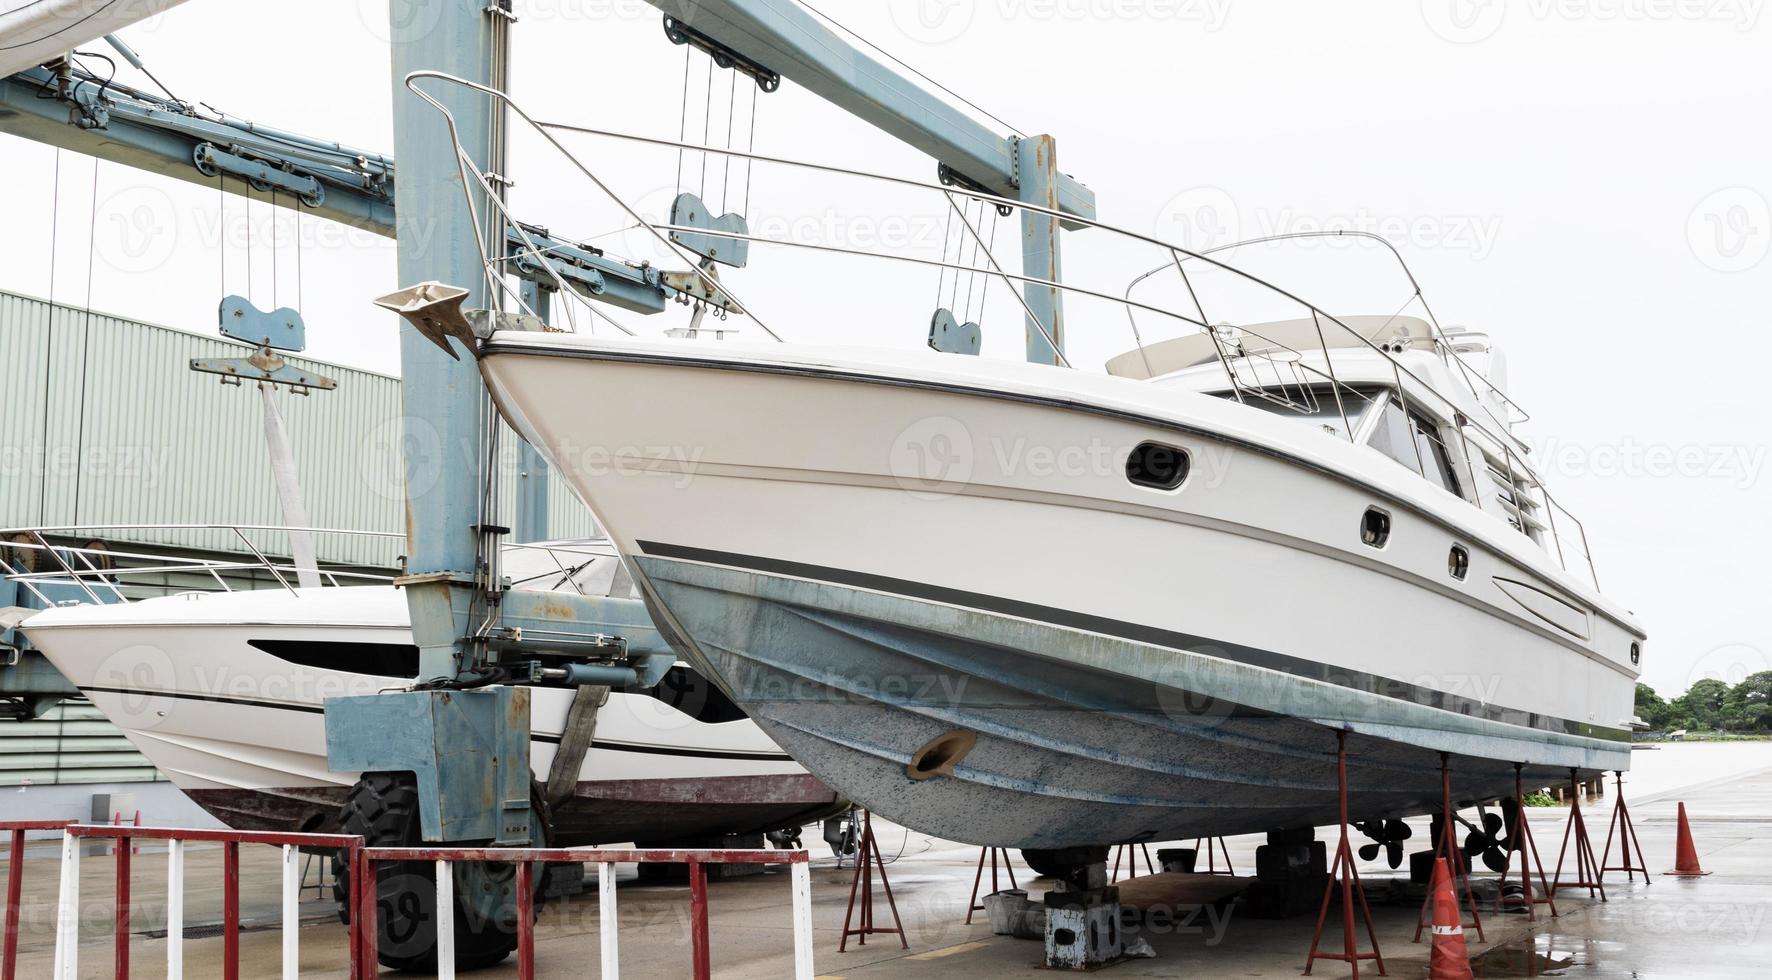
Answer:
(1289, 367)
(29, 557)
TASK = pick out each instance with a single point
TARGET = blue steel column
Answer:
(532, 470)
(1037, 167)
(441, 396)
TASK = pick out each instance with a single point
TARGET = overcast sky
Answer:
(1588, 182)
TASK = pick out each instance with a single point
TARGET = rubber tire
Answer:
(383, 809)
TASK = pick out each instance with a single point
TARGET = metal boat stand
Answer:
(1344, 871)
(1521, 842)
(1126, 852)
(1627, 839)
(1584, 847)
(867, 859)
(1455, 860)
(1212, 857)
(974, 905)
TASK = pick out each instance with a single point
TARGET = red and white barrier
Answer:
(606, 860)
(363, 861)
(67, 936)
(15, 881)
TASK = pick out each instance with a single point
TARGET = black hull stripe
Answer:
(1252, 656)
(533, 737)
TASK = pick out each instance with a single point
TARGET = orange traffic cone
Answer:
(1685, 852)
(1449, 960)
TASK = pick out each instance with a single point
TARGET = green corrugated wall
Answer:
(103, 422)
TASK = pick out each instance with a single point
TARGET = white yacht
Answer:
(1033, 605)
(225, 693)
(1030, 606)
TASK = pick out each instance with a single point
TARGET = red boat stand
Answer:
(1344, 872)
(1126, 852)
(1627, 839)
(975, 905)
(1212, 857)
(1455, 860)
(1522, 844)
(1584, 847)
(867, 860)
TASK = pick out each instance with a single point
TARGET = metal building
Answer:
(105, 424)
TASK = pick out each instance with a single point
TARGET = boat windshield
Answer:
(1317, 407)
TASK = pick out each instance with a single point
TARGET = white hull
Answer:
(192, 682)
(788, 504)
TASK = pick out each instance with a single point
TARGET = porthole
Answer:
(1636, 654)
(1458, 562)
(1375, 528)
(1157, 466)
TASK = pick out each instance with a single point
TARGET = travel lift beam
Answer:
(768, 39)
(425, 731)
(467, 741)
(114, 122)
(787, 39)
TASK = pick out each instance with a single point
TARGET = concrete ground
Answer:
(1671, 927)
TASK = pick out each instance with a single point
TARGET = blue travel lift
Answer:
(455, 749)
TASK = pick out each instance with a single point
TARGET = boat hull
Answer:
(242, 731)
(1130, 742)
(840, 530)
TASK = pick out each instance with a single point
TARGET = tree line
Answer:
(1711, 704)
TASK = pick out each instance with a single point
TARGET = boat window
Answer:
(1458, 562)
(1413, 439)
(1375, 527)
(379, 659)
(688, 691)
(1152, 464)
(1318, 408)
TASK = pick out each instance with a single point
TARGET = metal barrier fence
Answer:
(608, 924)
(67, 923)
(363, 862)
(15, 882)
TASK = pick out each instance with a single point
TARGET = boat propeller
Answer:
(843, 833)
(1387, 835)
(1492, 841)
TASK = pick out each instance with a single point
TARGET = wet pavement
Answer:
(1716, 926)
